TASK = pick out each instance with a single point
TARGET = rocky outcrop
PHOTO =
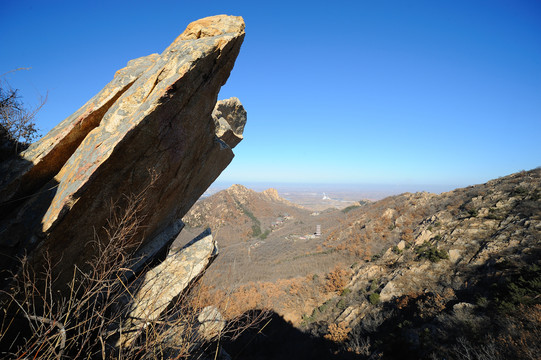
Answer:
(153, 125)
(211, 323)
(102, 195)
(165, 282)
(462, 262)
(466, 231)
(24, 175)
(272, 195)
(229, 118)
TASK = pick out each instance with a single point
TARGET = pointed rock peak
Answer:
(272, 193)
(153, 118)
(213, 26)
(237, 188)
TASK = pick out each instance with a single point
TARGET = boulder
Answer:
(425, 235)
(211, 323)
(389, 291)
(162, 284)
(454, 256)
(151, 125)
(389, 213)
(229, 118)
(353, 314)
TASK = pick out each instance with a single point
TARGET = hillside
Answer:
(410, 276)
(260, 233)
(238, 213)
(465, 276)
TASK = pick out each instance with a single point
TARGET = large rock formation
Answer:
(151, 124)
(37, 165)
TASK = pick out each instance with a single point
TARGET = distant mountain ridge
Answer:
(230, 204)
(239, 213)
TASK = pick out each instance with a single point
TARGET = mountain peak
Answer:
(238, 188)
(272, 193)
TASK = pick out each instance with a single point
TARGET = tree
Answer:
(17, 120)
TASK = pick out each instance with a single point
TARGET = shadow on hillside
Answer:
(21, 212)
(22, 206)
(276, 338)
(493, 308)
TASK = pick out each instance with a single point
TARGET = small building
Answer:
(318, 230)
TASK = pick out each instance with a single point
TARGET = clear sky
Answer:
(391, 92)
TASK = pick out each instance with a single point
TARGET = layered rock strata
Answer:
(152, 124)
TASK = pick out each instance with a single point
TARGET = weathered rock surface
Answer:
(229, 118)
(211, 323)
(471, 233)
(153, 121)
(462, 262)
(35, 166)
(165, 282)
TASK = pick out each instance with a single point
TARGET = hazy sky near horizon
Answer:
(392, 92)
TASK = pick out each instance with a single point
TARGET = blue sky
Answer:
(445, 93)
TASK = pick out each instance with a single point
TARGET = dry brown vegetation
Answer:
(337, 279)
(283, 295)
(39, 323)
(338, 332)
(79, 323)
(394, 235)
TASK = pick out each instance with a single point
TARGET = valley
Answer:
(413, 271)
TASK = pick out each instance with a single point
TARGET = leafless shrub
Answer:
(337, 332)
(465, 350)
(87, 322)
(17, 120)
(358, 343)
(82, 319)
(372, 321)
(337, 279)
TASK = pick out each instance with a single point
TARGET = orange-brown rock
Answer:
(153, 120)
(24, 175)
